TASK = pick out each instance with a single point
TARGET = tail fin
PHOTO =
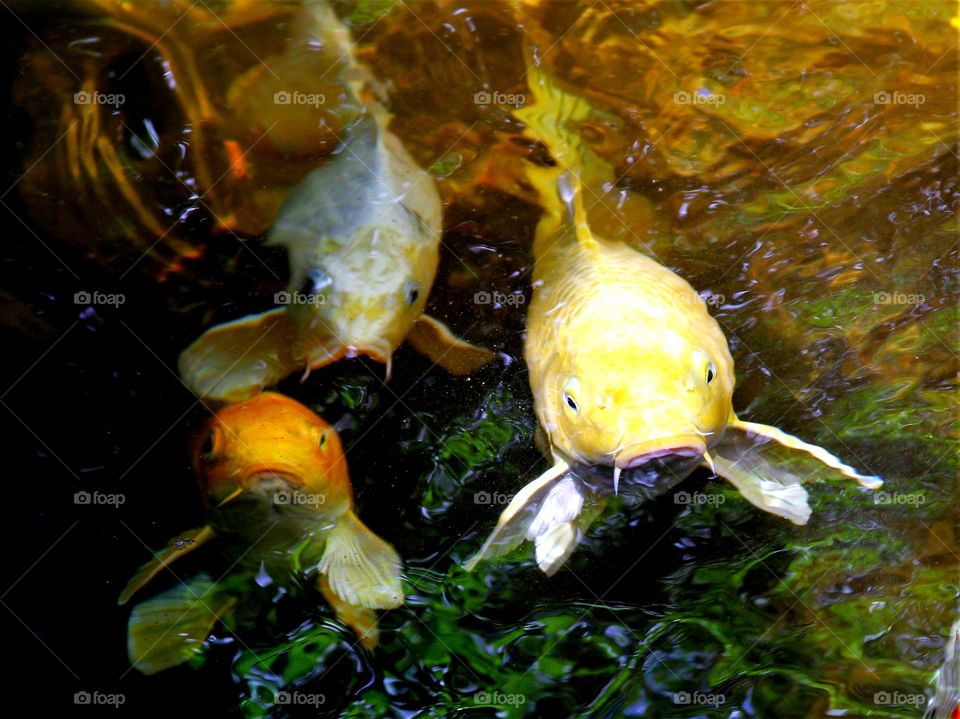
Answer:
(360, 81)
(553, 118)
(361, 620)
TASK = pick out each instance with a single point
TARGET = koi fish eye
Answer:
(316, 282)
(322, 442)
(711, 372)
(411, 293)
(211, 444)
(570, 390)
(708, 370)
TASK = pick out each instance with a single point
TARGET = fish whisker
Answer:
(709, 460)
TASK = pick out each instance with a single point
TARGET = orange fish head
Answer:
(274, 448)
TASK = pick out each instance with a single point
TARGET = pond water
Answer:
(796, 161)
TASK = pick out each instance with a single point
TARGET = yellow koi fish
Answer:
(275, 479)
(626, 366)
(363, 235)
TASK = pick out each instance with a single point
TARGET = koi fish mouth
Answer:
(637, 460)
(636, 455)
(268, 481)
(330, 352)
(263, 483)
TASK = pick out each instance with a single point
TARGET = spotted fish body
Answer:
(626, 367)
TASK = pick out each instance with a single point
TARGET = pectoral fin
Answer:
(791, 442)
(557, 528)
(176, 548)
(361, 568)
(361, 620)
(236, 360)
(170, 629)
(764, 484)
(752, 458)
(549, 512)
(434, 339)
